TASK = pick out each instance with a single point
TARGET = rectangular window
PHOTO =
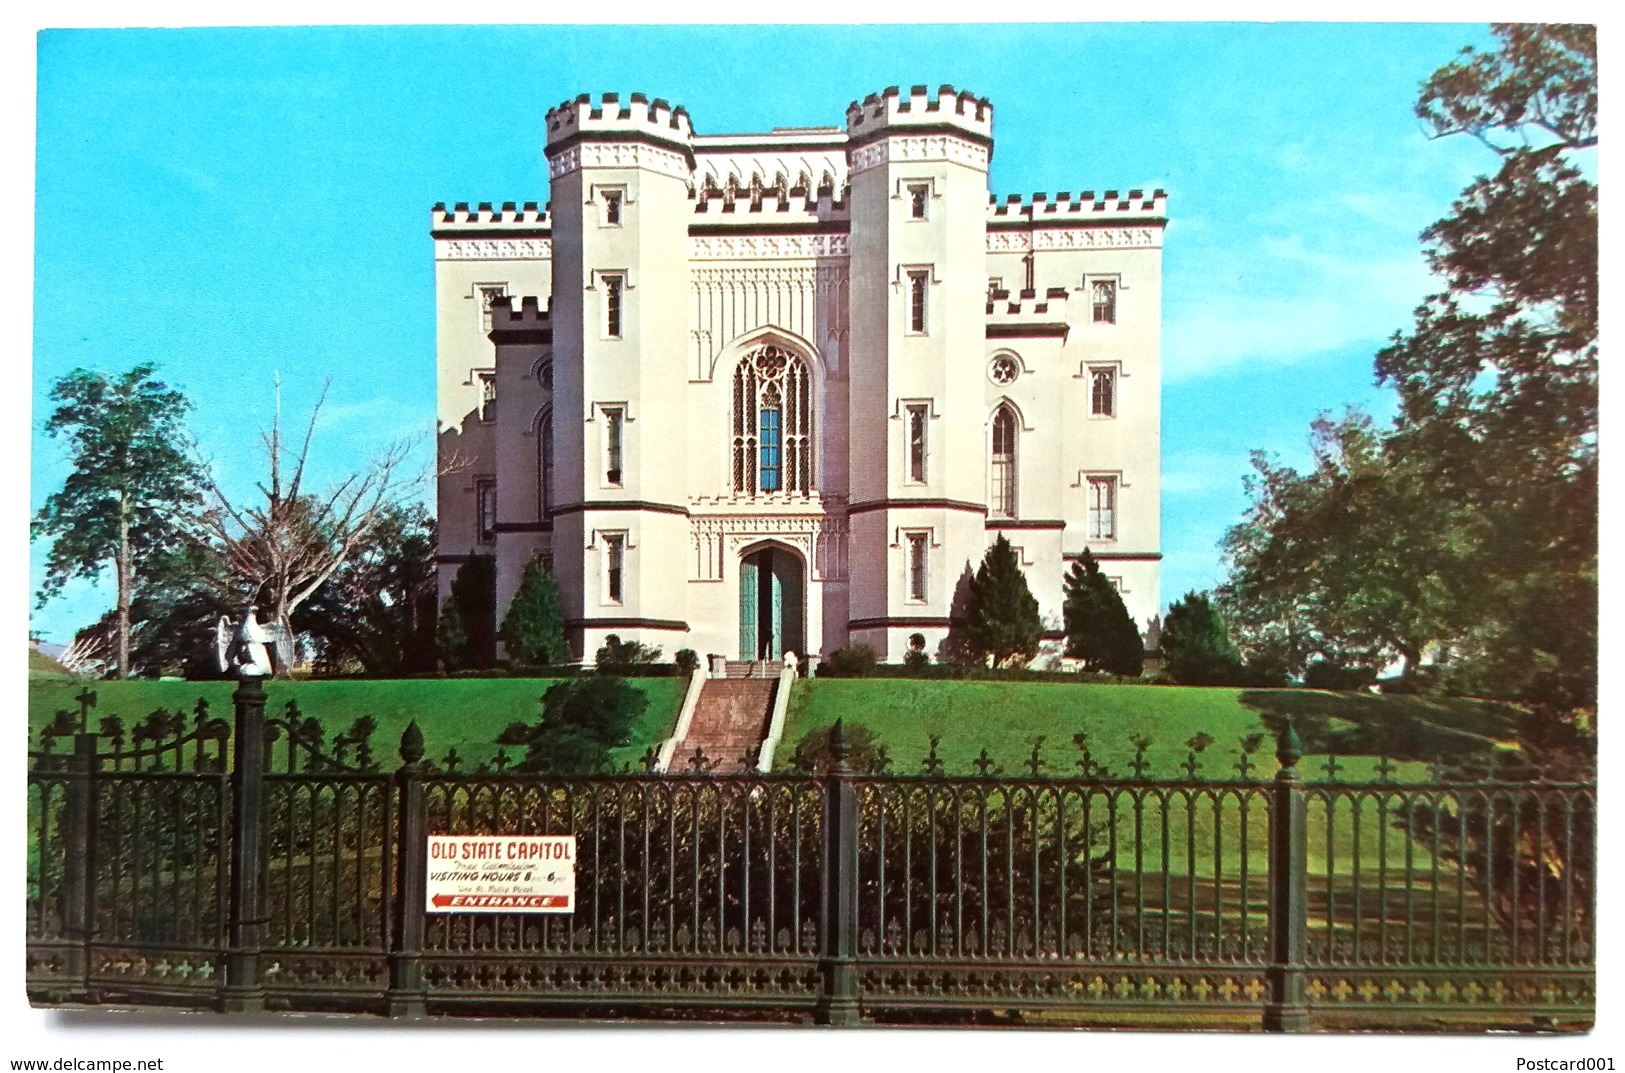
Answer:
(612, 207)
(919, 195)
(916, 444)
(487, 292)
(917, 283)
(614, 439)
(614, 567)
(995, 286)
(1102, 508)
(1103, 298)
(918, 571)
(488, 395)
(614, 286)
(485, 506)
(1103, 392)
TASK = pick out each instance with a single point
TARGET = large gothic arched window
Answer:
(772, 423)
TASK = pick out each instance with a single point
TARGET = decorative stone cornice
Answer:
(920, 147)
(766, 524)
(494, 249)
(765, 247)
(802, 274)
(620, 155)
(1075, 238)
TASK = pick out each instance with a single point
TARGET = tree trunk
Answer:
(124, 571)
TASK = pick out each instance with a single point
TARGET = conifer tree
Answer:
(473, 594)
(451, 638)
(1001, 612)
(1196, 645)
(1099, 629)
(533, 628)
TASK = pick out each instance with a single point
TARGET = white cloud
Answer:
(1292, 302)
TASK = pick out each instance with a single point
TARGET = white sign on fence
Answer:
(502, 874)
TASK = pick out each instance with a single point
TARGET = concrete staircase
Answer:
(730, 720)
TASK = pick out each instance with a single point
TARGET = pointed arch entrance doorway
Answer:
(772, 604)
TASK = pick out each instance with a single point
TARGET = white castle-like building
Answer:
(753, 394)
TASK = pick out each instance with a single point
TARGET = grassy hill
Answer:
(1005, 718)
(461, 713)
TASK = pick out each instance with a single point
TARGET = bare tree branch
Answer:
(285, 546)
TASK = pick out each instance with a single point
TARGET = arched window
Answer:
(772, 423)
(544, 462)
(1003, 483)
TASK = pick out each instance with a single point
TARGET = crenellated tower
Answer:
(621, 174)
(918, 165)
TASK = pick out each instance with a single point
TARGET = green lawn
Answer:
(1005, 717)
(461, 713)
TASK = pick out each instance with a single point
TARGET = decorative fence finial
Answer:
(1034, 761)
(837, 743)
(87, 701)
(1288, 749)
(932, 762)
(411, 743)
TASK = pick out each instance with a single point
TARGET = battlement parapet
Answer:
(1111, 204)
(879, 112)
(528, 216)
(1027, 306)
(766, 206)
(572, 120)
(529, 323)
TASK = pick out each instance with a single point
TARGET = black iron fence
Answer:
(295, 878)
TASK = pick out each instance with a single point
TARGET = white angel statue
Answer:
(241, 649)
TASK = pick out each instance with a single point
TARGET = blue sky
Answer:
(233, 203)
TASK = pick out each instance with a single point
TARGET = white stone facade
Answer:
(772, 392)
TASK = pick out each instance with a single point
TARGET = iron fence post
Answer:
(79, 914)
(1289, 891)
(407, 995)
(839, 1003)
(244, 991)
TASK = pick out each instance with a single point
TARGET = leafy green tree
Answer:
(1001, 613)
(1099, 629)
(178, 600)
(1497, 380)
(583, 719)
(132, 483)
(687, 661)
(1468, 528)
(1196, 645)
(1357, 561)
(616, 656)
(533, 628)
(467, 631)
(377, 611)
